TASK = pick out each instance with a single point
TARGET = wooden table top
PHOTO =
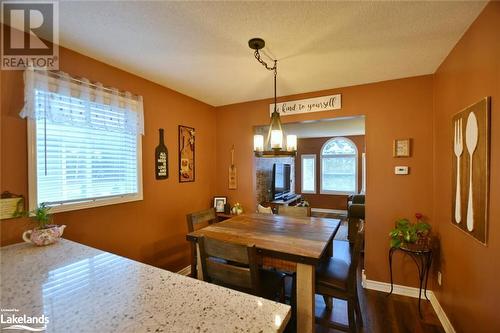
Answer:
(301, 240)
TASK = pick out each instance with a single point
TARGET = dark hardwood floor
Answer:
(381, 313)
(393, 314)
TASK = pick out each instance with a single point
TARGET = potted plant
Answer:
(237, 209)
(45, 233)
(406, 233)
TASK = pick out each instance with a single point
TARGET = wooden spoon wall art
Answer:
(470, 176)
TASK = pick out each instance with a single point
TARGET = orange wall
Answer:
(313, 146)
(152, 230)
(470, 290)
(394, 109)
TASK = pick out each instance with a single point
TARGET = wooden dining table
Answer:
(302, 241)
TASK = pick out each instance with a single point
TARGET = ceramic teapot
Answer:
(45, 236)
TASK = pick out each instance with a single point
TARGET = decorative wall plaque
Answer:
(186, 154)
(161, 158)
(470, 176)
(401, 148)
(232, 180)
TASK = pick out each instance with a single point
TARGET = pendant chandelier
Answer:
(273, 145)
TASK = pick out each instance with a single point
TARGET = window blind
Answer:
(83, 150)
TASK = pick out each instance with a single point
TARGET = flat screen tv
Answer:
(280, 184)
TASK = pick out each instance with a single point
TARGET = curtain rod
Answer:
(80, 80)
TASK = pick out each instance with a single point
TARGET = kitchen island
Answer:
(81, 289)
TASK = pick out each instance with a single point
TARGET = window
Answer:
(308, 169)
(339, 171)
(84, 143)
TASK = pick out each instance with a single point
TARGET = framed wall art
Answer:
(401, 148)
(470, 169)
(186, 154)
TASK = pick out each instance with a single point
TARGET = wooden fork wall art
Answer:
(470, 176)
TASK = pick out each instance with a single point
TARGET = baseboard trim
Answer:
(410, 292)
(331, 211)
(185, 271)
(443, 318)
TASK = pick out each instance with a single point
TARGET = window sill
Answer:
(336, 193)
(94, 203)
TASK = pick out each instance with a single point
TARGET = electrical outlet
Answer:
(439, 278)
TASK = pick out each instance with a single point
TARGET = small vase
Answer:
(45, 236)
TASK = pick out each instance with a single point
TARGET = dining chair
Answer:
(235, 266)
(294, 211)
(337, 278)
(197, 221)
(286, 266)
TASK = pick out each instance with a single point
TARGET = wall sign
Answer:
(186, 154)
(161, 158)
(324, 103)
(232, 180)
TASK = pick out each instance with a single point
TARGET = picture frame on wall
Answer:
(186, 154)
(401, 148)
(219, 204)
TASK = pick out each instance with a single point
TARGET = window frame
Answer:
(330, 192)
(85, 203)
(302, 157)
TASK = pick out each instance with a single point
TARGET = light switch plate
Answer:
(401, 170)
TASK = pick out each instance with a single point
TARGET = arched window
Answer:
(339, 167)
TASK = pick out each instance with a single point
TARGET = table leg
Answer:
(198, 262)
(305, 298)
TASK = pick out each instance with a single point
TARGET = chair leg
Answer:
(193, 261)
(328, 302)
(282, 291)
(350, 315)
(359, 317)
(293, 303)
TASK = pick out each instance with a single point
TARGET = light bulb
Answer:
(276, 139)
(291, 142)
(258, 142)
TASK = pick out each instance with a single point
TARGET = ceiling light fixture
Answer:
(273, 146)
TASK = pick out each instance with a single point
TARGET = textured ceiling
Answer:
(200, 48)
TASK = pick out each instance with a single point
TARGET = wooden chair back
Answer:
(238, 269)
(356, 256)
(197, 221)
(200, 219)
(294, 211)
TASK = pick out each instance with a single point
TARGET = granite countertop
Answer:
(82, 289)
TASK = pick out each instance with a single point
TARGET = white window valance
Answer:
(59, 98)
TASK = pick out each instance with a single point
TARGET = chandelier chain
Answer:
(274, 69)
(259, 59)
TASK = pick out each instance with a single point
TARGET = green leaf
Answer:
(395, 243)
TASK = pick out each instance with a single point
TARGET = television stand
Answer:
(292, 201)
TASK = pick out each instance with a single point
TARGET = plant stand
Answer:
(422, 256)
